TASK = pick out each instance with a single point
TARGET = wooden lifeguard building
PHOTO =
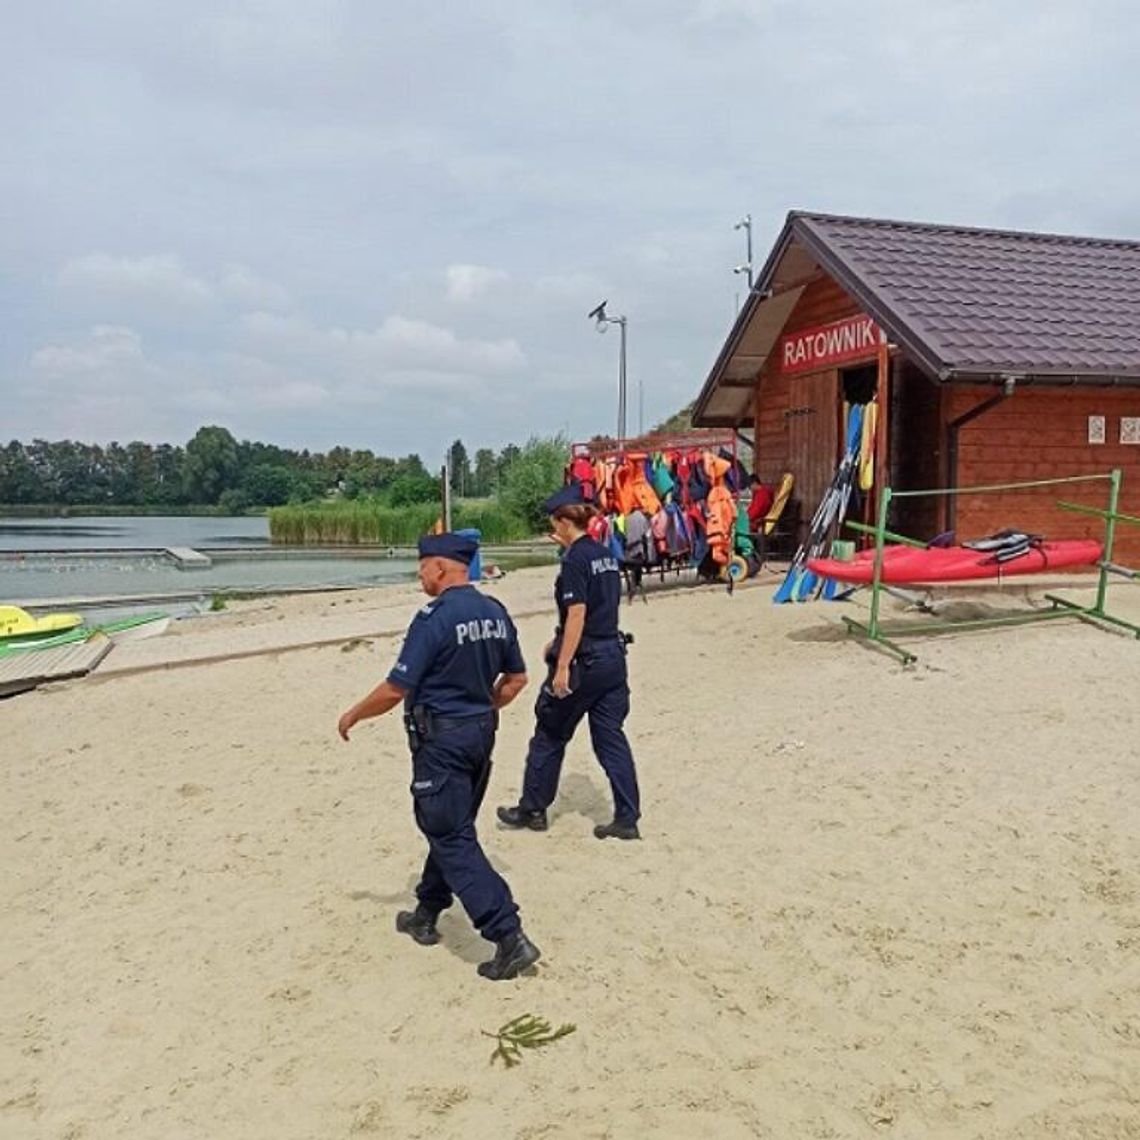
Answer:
(994, 357)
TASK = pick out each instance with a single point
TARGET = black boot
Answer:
(618, 829)
(513, 955)
(521, 817)
(420, 924)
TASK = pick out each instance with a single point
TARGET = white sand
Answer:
(869, 902)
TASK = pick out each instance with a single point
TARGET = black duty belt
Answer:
(604, 639)
(450, 723)
(423, 725)
(621, 638)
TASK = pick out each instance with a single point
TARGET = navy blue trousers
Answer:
(600, 684)
(449, 780)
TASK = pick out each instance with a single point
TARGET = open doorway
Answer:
(859, 384)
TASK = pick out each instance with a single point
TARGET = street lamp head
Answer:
(745, 268)
(744, 222)
(598, 313)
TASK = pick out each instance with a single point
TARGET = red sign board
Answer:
(824, 346)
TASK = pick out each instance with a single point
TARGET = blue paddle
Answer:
(801, 582)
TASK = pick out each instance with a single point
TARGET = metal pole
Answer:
(877, 575)
(745, 224)
(640, 408)
(1109, 537)
(1002, 486)
(447, 493)
(621, 383)
(748, 232)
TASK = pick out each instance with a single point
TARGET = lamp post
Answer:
(599, 315)
(745, 224)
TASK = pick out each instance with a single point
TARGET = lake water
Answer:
(29, 575)
(131, 533)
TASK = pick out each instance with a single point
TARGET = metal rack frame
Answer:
(874, 631)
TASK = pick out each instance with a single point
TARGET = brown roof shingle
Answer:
(966, 304)
(979, 302)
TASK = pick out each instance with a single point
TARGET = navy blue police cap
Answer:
(568, 496)
(457, 547)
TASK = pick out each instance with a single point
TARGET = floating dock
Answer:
(186, 559)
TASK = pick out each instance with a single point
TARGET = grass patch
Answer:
(365, 523)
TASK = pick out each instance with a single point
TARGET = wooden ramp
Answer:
(187, 559)
(22, 671)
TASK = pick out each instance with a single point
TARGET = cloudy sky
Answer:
(379, 224)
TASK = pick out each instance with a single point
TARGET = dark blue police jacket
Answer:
(590, 574)
(455, 649)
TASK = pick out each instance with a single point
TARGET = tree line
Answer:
(216, 470)
(481, 477)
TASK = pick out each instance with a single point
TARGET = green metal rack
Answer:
(874, 631)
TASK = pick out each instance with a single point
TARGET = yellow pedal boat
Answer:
(16, 623)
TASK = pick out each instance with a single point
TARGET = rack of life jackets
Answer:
(667, 502)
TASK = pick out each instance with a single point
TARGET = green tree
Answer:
(234, 501)
(410, 465)
(122, 485)
(169, 485)
(534, 475)
(211, 465)
(267, 484)
(414, 487)
(681, 421)
(139, 471)
(19, 480)
(506, 457)
(460, 468)
(485, 476)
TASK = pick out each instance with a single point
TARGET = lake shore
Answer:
(108, 562)
(869, 901)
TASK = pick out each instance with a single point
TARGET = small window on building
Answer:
(1130, 429)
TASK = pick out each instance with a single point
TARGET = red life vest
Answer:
(582, 472)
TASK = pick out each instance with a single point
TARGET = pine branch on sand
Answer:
(524, 1032)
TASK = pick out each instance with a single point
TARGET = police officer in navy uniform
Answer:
(587, 677)
(460, 663)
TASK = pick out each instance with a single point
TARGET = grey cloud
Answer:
(422, 203)
(245, 288)
(105, 353)
(399, 344)
(466, 282)
(156, 276)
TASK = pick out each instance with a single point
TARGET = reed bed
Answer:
(360, 523)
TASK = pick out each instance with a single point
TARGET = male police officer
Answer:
(460, 663)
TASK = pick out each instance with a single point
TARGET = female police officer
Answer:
(460, 663)
(588, 677)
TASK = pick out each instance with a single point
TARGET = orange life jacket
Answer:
(623, 497)
(643, 492)
(721, 523)
(715, 468)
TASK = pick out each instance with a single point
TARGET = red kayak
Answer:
(908, 564)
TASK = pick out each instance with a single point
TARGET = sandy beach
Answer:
(869, 901)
